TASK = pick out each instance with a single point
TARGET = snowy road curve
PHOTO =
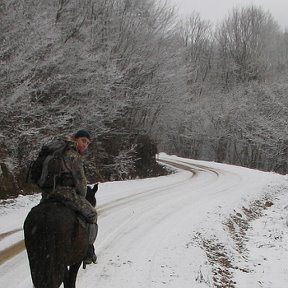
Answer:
(146, 228)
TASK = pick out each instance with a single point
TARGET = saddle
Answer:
(58, 198)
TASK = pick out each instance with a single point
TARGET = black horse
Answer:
(56, 240)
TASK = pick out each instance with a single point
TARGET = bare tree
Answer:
(244, 40)
(196, 36)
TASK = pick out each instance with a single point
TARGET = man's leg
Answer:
(90, 214)
(92, 234)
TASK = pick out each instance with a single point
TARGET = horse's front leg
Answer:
(71, 275)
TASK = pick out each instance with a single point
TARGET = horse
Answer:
(56, 240)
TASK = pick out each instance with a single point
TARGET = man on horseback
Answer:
(69, 183)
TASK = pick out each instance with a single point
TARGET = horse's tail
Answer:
(47, 271)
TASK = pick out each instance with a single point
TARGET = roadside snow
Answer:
(268, 247)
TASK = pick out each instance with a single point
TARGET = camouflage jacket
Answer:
(73, 166)
(73, 193)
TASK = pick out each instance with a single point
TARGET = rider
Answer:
(72, 186)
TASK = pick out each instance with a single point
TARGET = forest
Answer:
(142, 81)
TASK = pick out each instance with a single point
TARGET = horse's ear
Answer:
(95, 188)
(90, 196)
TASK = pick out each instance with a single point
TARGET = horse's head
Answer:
(90, 196)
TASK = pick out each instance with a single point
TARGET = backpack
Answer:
(47, 169)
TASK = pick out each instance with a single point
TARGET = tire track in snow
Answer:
(12, 251)
(104, 209)
(6, 234)
(135, 226)
(18, 247)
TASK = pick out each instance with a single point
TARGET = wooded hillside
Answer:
(135, 76)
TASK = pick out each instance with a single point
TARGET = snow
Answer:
(210, 225)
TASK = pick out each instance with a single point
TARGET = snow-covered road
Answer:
(147, 228)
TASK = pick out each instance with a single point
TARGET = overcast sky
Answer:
(215, 10)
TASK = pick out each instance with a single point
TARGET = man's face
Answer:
(82, 144)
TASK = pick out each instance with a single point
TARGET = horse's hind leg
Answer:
(46, 271)
(71, 275)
